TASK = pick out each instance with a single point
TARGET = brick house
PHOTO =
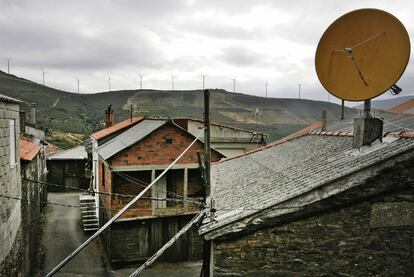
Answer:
(312, 205)
(128, 163)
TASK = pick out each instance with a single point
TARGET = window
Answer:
(12, 144)
(103, 174)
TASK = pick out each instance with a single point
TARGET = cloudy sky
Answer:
(253, 41)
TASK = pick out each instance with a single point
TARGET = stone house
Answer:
(11, 262)
(228, 140)
(33, 167)
(127, 164)
(67, 168)
(313, 205)
(21, 156)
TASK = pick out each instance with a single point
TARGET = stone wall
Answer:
(10, 214)
(371, 237)
(33, 210)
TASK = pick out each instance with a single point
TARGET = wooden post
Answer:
(324, 120)
(205, 270)
(185, 188)
(153, 202)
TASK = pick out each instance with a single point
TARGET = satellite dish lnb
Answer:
(362, 54)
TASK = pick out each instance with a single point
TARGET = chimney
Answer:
(367, 129)
(33, 115)
(324, 120)
(109, 116)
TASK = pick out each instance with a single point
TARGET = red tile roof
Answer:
(51, 149)
(28, 149)
(406, 107)
(117, 127)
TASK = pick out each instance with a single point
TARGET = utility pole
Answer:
(205, 271)
(109, 82)
(204, 79)
(234, 84)
(78, 83)
(266, 84)
(140, 82)
(43, 76)
(172, 82)
(8, 64)
(299, 85)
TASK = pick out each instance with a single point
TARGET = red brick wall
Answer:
(107, 187)
(153, 150)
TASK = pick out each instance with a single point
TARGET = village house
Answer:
(21, 156)
(127, 164)
(315, 204)
(67, 168)
(229, 141)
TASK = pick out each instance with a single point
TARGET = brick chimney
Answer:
(109, 116)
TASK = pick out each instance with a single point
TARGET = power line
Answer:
(60, 204)
(133, 180)
(108, 193)
(119, 213)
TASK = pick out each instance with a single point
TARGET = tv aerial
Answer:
(362, 54)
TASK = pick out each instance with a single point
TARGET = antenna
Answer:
(204, 78)
(234, 84)
(8, 64)
(78, 83)
(43, 76)
(140, 82)
(266, 85)
(172, 82)
(299, 85)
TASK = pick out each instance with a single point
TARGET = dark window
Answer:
(169, 141)
(103, 174)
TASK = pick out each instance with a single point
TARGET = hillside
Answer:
(387, 103)
(82, 113)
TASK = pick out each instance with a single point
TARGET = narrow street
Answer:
(62, 233)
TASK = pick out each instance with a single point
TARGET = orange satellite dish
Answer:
(362, 54)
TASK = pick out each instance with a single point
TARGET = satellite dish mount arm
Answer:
(367, 108)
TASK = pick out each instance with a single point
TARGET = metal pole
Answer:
(367, 108)
(140, 82)
(342, 109)
(205, 271)
(204, 77)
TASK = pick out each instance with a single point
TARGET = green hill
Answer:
(82, 113)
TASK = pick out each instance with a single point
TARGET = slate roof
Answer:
(116, 127)
(75, 153)
(129, 137)
(5, 98)
(28, 149)
(272, 175)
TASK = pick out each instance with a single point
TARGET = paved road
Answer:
(62, 234)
